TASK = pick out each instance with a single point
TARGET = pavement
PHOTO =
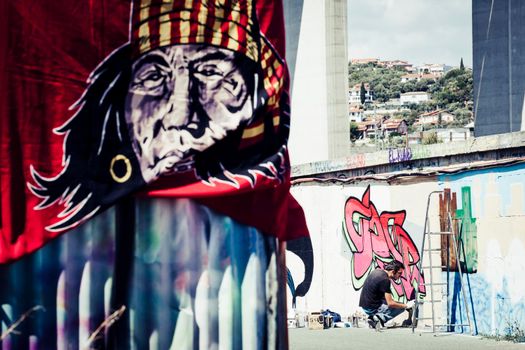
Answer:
(392, 338)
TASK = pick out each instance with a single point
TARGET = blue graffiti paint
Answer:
(504, 178)
(396, 155)
(490, 312)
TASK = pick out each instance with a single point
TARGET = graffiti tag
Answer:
(396, 155)
(378, 239)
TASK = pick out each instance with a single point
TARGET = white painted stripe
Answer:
(61, 312)
(226, 311)
(202, 310)
(83, 307)
(107, 297)
(33, 342)
(6, 343)
(272, 288)
(252, 304)
(154, 340)
(183, 335)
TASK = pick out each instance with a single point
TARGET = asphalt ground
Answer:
(393, 338)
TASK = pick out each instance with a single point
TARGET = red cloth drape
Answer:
(47, 51)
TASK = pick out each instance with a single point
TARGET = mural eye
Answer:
(149, 79)
(208, 71)
(152, 79)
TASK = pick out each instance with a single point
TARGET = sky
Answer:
(418, 31)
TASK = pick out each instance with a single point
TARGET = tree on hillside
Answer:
(381, 80)
(362, 93)
(424, 84)
(354, 132)
(456, 87)
(461, 65)
(430, 138)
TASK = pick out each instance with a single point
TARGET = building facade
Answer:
(498, 38)
(414, 97)
(354, 94)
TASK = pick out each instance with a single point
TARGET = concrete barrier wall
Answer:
(359, 226)
(497, 208)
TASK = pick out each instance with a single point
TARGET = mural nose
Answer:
(180, 111)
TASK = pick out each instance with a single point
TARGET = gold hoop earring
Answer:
(127, 174)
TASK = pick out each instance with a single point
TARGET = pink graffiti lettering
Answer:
(356, 161)
(378, 239)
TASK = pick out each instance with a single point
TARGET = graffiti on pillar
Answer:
(376, 239)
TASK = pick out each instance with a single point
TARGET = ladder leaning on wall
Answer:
(428, 251)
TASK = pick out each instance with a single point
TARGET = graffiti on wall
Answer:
(376, 239)
(469, 233)
(351, 162)
(491, 204)
(464, 228)
(397, 155)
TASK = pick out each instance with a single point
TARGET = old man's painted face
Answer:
(181, 100)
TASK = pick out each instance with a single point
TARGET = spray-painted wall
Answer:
(496, 204)
(356, 227)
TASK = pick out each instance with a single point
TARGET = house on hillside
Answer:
(364, 60)
(354, 94)
(355, 113)
(415, 97)
(390, 126)
(416, 77)
(409, 77)
(395, 103)
(386, 109)
(434, 118)
(397, 64)
(436, 69)
(369, 128)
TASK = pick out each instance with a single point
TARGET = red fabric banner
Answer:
(99, 102)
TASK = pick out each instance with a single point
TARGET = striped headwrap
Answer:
(223, 23)
(227, 24)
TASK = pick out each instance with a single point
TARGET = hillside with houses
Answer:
(394, 103)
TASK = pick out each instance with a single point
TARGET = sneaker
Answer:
(391, 324)
(376, 323)
(372, 323)
(407, 323)
(380, 321)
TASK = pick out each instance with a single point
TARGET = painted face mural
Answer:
(181, 100)
(197, 99)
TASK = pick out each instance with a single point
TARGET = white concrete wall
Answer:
(324, 209)
(494, 204)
